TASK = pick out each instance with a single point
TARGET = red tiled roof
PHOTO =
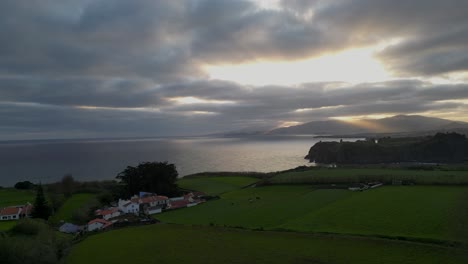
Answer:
(155, 198)
(12, 210)
(179, 204)
(102, 221)
(107, 211)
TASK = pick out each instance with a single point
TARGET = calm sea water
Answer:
(48, 161)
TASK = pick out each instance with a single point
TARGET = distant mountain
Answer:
(395, 124)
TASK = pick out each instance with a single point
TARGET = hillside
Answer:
(395, 124)
(441, 148)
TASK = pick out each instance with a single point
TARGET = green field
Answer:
(428, 212)
(186, 244)
(350, 175)
(265, 207)
(215, 185)
(16, 197)
(6, 225)
(71, 205)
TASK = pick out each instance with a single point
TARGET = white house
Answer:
(108, 213)
(98, 224)
(15, 212)
(129, 206)
(10, 213)
(153, 210)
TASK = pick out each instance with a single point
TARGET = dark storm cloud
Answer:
(98, 38)
(80, 91)
(250, 108)
(318, 101)
(168, 40)
(129, 59)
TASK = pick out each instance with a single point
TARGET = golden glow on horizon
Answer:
(289, 123)
(353, 118)
(353, 66)
(364, 122)
(142, 109)
(195, 100)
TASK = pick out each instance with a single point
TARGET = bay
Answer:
(88, 160)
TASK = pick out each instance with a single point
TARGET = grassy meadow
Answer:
(162, 243)
(6, 225)
(215, 185)
(75, 202)
(387, 175)
(10, 196)
(265, 207)
(426, 212)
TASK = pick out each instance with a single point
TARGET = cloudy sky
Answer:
(116, 68)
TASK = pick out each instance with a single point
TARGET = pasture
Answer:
(215, 185)
(428, 212)
(6, 225)
(10, 196)
(415, 212)
(164, 243)
(75, 202)
(387, 175)
(265, 207)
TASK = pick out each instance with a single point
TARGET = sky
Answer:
(119, 68)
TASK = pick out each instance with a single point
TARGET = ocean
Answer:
(49, 160)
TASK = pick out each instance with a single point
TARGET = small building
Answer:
(98, 224)
(129, 206)
(155, 200)
(178, 203)
(108, 213)
(153, 210)
(69, 228)
(15, 212)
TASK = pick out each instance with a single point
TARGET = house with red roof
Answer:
(15, 212)
(131, 206)
(188, 200)
(108, 213)
(153, 204)
(98, 224)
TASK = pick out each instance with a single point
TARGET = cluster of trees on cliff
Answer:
(440, 148)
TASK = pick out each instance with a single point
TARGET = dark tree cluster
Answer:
(41, 208)
(440, 148)
(24, 185)
(156, 177)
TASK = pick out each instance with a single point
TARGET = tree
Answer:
(68, 185)
(41, 209)
(24, 185)
(156, 177)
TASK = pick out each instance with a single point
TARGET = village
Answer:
(134, 211)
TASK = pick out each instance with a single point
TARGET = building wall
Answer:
(95, 226)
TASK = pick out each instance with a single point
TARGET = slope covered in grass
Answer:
(75, 202)
(426, 212)
(410, 211)
(350, 175)
(265, 207)
(11, 196)
(205, 245)
(215, 185)
(6, 225)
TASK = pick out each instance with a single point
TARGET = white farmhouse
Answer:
(108, 213)
(98, 224)
(129, 206)
(15, 212)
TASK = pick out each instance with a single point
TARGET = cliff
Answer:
(441, 148)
